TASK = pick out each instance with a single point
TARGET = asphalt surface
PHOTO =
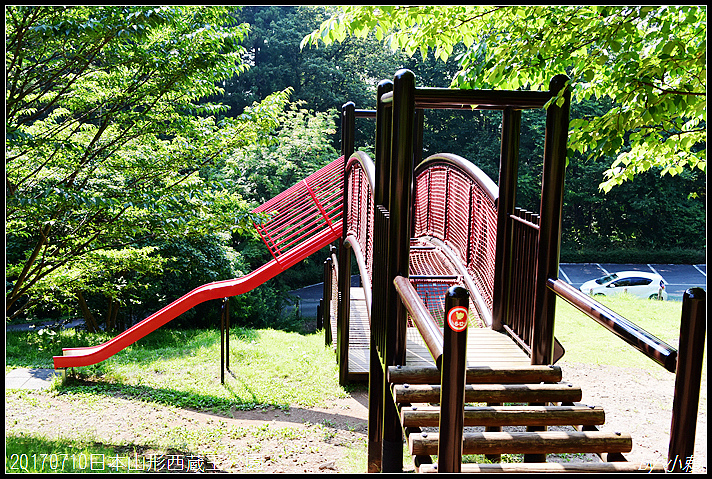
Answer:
(678, 278)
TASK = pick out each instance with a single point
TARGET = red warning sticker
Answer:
(457, 318)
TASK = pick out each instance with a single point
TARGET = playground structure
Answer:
(436, 238)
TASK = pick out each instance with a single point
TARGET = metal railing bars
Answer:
(652, 347)
(686, 363)
(422, 319)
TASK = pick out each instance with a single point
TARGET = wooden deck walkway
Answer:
(485, 347)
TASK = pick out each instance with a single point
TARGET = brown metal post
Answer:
(376, 377)
(343, 315)
(687, 381)
(552, 199)
(222, 341)
(227, 333)
(325, 312)
(452, 392)
(508, 167)
(399, 208)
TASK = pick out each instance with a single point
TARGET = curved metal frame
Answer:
(482, 182)
(361, 160)
(479, 176)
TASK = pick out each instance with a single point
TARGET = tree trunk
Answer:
(110, 315)
(92, 326)
(113, 312)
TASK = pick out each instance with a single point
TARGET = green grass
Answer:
(586, 341)
(182, 368)
(32, 454)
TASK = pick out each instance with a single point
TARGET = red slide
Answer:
(305, 218)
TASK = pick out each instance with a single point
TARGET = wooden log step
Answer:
(429, 416)
(545, 467)
(491, 393)
(540, 442)
(477, 374)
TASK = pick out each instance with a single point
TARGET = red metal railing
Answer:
(456, 204)
(304, 210)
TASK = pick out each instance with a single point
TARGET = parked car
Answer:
(635, 283)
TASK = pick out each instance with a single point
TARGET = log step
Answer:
(546, 467)
(491, 393)
(477, 375)
(541, 442)
(429, 416)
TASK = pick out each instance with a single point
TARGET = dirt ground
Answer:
(327, 439)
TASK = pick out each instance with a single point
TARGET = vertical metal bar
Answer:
(552, 198)
(326, 297)
(343, 311)
(399, 208)
(376, 380)
(687, 380)
(222, 342)
(452, 391)
(508, 170)
(227, 333)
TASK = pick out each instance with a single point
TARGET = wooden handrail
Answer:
(653, 347)
(423, 320)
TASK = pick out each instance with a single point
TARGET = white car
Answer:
(635, 283)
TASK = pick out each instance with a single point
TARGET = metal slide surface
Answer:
(307, 217)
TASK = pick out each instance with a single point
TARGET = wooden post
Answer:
(687, 381)
(452, 391)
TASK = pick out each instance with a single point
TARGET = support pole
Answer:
(550, 211)
(343, 311)
(508, 168)
(222, 341)
(399, 208)
(376, 377)
(227, 333)
(452, 392)
(687, 381)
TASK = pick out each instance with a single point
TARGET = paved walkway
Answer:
(30, 378)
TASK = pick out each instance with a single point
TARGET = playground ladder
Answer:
(534, 398)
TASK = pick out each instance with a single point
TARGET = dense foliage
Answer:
(108, 139)
(649, 61)
(138, 139)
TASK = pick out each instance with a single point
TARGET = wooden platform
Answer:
(485, 347)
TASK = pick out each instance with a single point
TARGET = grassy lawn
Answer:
(585, 341)
(170, 371)
(178, 369)
(182, 368)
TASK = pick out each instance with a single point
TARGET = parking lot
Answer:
(677, 277)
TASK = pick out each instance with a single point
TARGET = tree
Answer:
(649, 61)
(108, 138)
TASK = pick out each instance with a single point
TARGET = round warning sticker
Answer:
(457, 318)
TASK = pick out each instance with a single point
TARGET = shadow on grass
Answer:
(164, 396)
(236, 407)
